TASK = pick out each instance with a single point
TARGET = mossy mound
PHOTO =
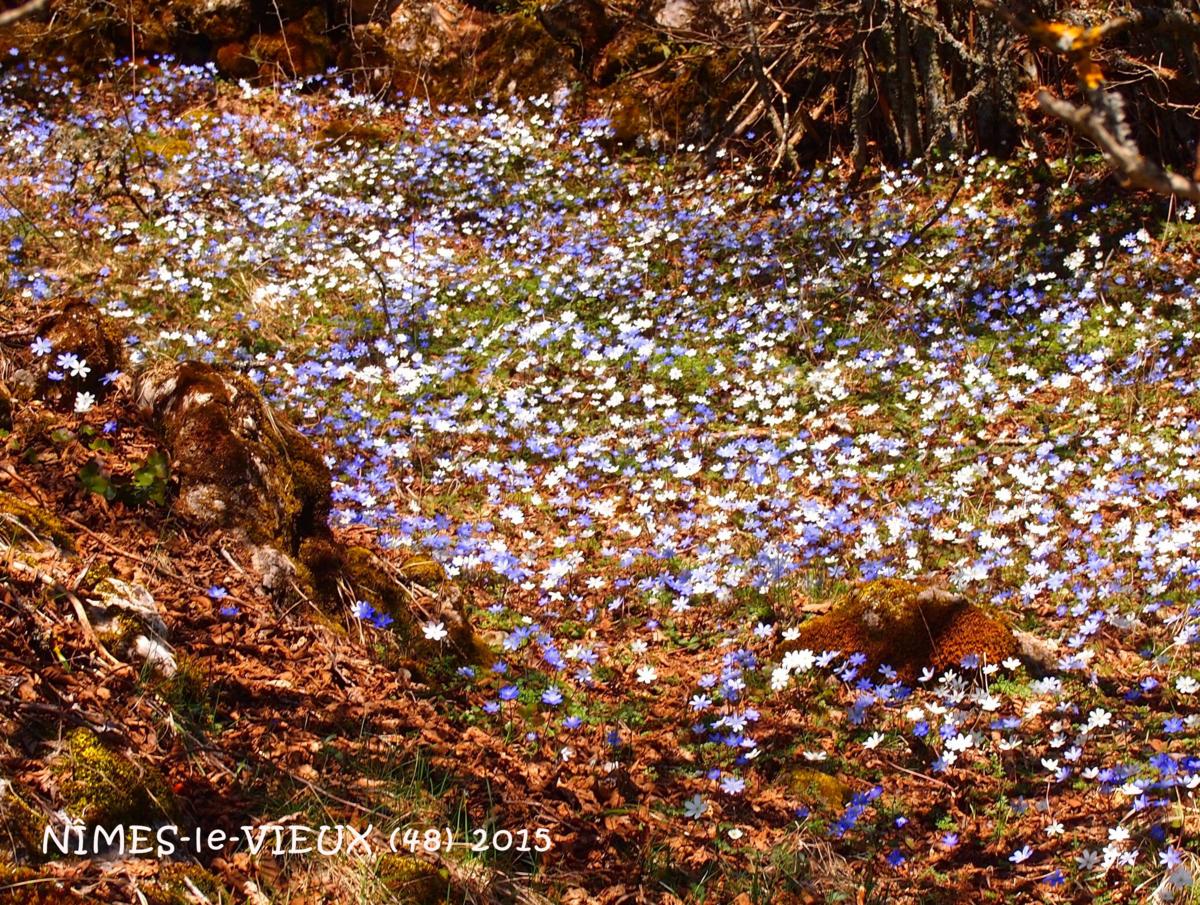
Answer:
(103, 788)
(81, 330)
(413, 880)
(22, 522)
(903, 625)
(820, 791)
(21, 824)
(238, 463)
(174, 884)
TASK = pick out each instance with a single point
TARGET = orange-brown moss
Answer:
(891, 622)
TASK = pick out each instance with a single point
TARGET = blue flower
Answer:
(216, 592)
(509, 693)
(552, 696)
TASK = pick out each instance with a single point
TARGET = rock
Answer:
(238, 463)
(132, 600)
(582, 25)
(634, 47)
(242, 466)
(220, 21)
(301, 49)
(79, 329)
(234, 61)
(423, 569)
(127, 621)
(675, 14)
(276, 571)
(900, 624)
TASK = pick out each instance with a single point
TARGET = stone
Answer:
(361, 12)
(276, 571)
(127, 621)
(582, 25)
(301, 49)
(220, 21)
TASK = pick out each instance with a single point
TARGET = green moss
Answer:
(21, 522)
(102, 787)
(414, 880)
(423, 569)
(21, 825)
(817, 789)
(170, 887)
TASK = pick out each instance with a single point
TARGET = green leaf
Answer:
(93, 479)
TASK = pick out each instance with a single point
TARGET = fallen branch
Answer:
(1122, 156)
(24, 11)
(1103, 120)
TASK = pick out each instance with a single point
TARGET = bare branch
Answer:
(1123, 156)
(24, 11)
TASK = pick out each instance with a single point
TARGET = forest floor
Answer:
(650, 418)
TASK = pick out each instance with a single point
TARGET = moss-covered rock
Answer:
(353, 573)
(239, 464)
(102, 787)
(242, 466)
(80, 329)
(908, 627)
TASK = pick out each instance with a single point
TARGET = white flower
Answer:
(798, 660)
(1187, 685)
(695, 807)
(686, 469)
(1098, 718)
(638, 647)
(435, 631)
(874, 740)
(960, 742)
(84, 402)
(1055, 829)
(647, 675)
